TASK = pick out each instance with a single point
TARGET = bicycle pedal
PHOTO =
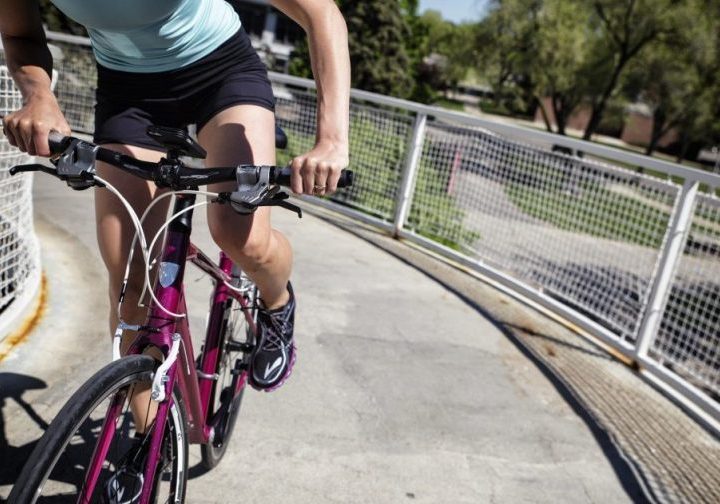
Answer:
(240, 368)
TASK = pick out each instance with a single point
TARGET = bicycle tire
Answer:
(54, 459)
(234, 328)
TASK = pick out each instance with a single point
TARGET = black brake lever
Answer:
(245, 207)
(37, 167)
(33, 168)
(280, 199)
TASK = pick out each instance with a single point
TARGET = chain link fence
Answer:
(581, 230)
(576, 226)
(688, 339)
(378, 142)
(611, 240)
(19, 253)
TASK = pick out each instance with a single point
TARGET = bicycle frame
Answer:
(160, 331)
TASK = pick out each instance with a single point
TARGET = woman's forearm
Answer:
(330, 60)
(318, 170)
(328, 40)
(30, 64)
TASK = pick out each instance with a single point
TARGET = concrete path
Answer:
(403, 392)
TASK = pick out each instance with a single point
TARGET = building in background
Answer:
(273, 34)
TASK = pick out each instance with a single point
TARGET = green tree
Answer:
(378, 56)
(505, 38)
(560, 58)
(625, 27)
(668, 84)
(706, 46)
(678, 80)
(416, 47)
(448, 51)
(378, 31)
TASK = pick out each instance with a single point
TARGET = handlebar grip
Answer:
(58, 142)
(283, 177)
(347, 177)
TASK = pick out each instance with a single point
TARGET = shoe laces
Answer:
(279, 325)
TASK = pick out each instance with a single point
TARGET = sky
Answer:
(455, 10)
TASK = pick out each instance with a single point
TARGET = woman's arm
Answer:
(30, 65)
(328, 41)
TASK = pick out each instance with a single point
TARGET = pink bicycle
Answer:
(197, 400)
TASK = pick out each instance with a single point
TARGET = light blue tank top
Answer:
(152, 35)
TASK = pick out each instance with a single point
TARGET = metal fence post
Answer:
(412, 162)
(678, 230)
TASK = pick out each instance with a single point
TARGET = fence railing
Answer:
(19, 254)
(625, 246)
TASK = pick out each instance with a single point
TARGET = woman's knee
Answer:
(245, 242)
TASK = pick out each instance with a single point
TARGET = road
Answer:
(403, 391)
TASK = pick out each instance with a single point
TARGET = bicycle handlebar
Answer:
(181, 176)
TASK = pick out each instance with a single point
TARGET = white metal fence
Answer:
(19, 253)
(625, 246)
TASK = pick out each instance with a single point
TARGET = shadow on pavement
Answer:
(632, 480)
(657, 453)
(12, 388)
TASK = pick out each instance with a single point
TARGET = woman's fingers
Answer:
(28, 128)
(318, 171)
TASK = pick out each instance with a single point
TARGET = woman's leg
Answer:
(115, 232)
(245, 134)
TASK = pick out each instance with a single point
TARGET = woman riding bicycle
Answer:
(175, 63)
(180, 62)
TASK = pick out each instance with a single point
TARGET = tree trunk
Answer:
(683, 147)
(544, 114)
(599, 108)
(658, 130)
(560, 113)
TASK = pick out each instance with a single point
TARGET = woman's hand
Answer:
(29, 127)
(317, 172)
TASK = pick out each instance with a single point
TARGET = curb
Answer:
(23, 316)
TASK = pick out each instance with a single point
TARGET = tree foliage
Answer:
(668, 83)
(380, 53)
(625, 28)
(596, 53)
(559, 74)
(378, 56)
(445, 49)
(505, 38)
(394, 50)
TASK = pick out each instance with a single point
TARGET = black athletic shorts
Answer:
(129, 102)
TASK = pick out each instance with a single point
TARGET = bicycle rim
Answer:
(97, 419)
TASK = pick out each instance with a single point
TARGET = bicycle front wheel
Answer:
(97, 419)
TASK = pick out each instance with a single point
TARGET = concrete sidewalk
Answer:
(403, 391)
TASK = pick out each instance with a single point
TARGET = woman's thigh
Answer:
(115, 229)
(242, 134)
